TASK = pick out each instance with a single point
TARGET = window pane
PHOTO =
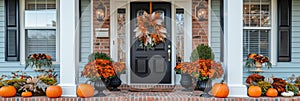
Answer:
(40, 13)
(257, 13)
(256, 41)
(41, 41)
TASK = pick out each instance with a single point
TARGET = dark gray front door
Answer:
(152, 66)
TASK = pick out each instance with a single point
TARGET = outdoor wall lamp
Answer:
(101, 12)
(201, 11)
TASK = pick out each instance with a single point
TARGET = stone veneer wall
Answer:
(101, 44)
(199, 30)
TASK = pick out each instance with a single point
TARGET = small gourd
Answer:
(269, 80)
(287, 94)
(26, 94)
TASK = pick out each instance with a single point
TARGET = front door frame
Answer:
(187, 5)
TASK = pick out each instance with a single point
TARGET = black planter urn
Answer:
(186, 82)
(205, 86)
(115, 82)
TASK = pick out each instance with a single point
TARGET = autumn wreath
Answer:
(150, 30)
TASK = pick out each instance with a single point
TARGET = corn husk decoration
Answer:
(150, 30)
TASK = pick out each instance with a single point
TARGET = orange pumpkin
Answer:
(26, 94)
(8, 91)
(220, 90)
(254, 91)
(54, 92)
(85, 90)
(271, 92)
(298, 94)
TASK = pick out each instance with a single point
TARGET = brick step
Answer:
(150, 98)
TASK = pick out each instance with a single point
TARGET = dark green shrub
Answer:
(202, 52)
(98, 55)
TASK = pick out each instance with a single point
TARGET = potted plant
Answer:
(120, 68)
(32, 85)
(257, 61)
(207, 70)
(38, 61)
(99, 71)
(185, 68)
(178, 71)
(115, 81)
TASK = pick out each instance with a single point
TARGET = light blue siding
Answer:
(286, 69)
(215, 33)
(2, 31)
(85, 47)
(86, 30)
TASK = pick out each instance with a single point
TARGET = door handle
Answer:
(169, 55)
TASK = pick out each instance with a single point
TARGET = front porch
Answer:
(152, 96)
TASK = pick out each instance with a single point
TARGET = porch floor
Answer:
(152, 96)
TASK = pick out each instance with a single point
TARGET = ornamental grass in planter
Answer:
(272, 87)
(27, 85)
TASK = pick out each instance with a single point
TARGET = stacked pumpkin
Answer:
(270, 87)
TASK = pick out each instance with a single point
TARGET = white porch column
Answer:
(68, 47)
(233, 38)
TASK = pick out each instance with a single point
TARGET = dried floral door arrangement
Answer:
(150, 29)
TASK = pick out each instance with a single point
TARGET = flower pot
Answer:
(178, 78)
(39, 69)
(186, 82)
(205, 86)
(115, 82)
(99, 86)
(258, 67)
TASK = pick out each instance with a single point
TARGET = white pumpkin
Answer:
(288, 94)
(269, 80)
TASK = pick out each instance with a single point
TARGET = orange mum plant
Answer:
(201, 69)
(208, 69)
(38, 61)
(120, 67)
(99, 69)
(253, 59)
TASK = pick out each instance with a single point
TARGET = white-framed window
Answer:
(40, 25)
(257, 27)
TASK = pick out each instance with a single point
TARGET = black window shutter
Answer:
(284, 30)
(12, 30)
